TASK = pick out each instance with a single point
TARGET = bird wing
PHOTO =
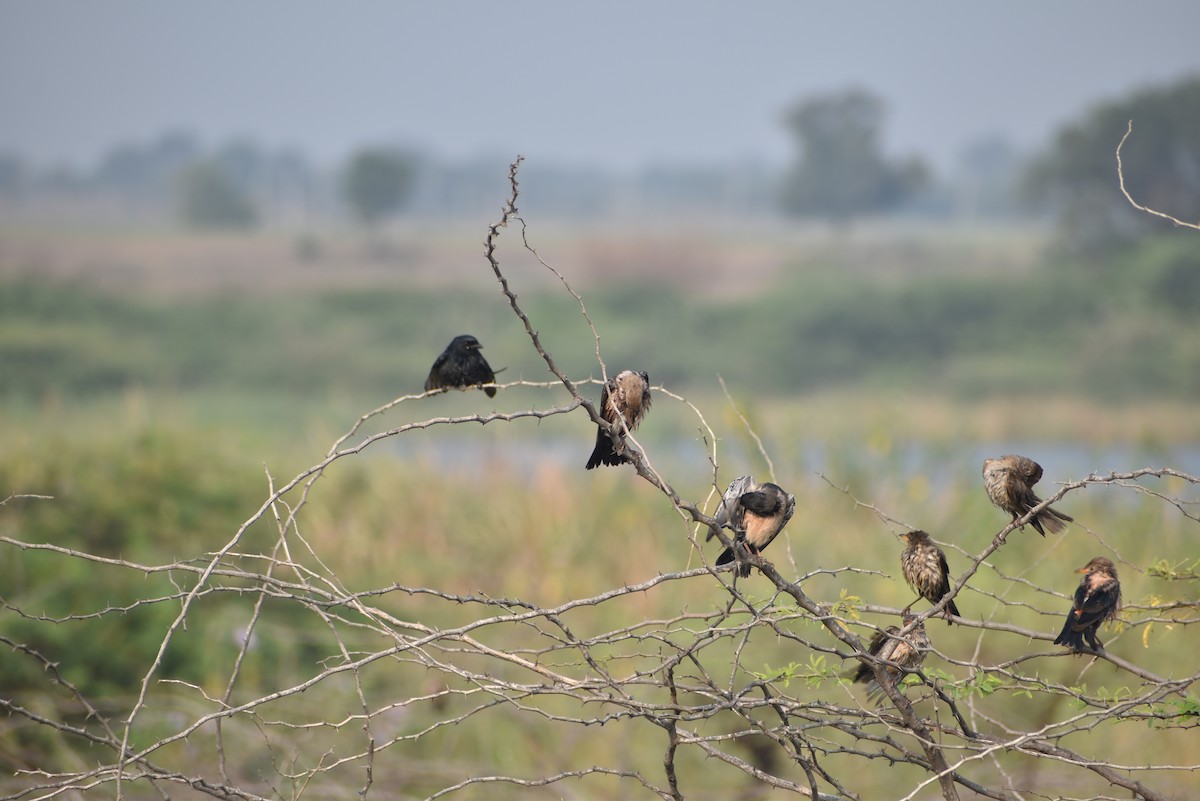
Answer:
(904, 653)
(1024, 495)
(789, 510)
(606, 407)
(1093, 606)
(728, 509)
(434, 381)
(864, 673)
(1029, 469)
(893, 648)
(478, 370)
(945, 566)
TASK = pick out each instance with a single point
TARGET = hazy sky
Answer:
(616, 82)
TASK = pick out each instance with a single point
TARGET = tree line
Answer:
(841, 172)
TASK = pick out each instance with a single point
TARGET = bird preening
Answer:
(925, 569)
(461, 365)
(904, 654)
(624, 401)
(1009, 483)
(1097, 599)
(756, 513)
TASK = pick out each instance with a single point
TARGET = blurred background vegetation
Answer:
(1054, 284)
(177, 317)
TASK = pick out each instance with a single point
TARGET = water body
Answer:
(687, 460)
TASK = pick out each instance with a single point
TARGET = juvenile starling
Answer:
(756, 513)
(906, 653)
(1096, 600)
(461, 365)
(625, 396)
(1009, 483)
(925, 569)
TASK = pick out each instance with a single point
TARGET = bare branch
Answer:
(434, 686)
(1121, 179)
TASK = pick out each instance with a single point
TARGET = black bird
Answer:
(1096, 600)
(1009, 483)
(461, 365)
(925, 569)
(626, 396)
(756, 513)
(907, 653)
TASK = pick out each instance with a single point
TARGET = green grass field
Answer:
(964, 319)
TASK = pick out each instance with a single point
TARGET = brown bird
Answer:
(906, 653)
(925, 569)
(1097, 599)
(756, 513)
(626, 397)
(461, 365)
(1009, 483)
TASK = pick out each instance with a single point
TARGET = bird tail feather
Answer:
(1069, 637)
(603, 453)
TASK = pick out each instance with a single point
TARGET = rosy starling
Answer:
(925, 569)
(906, 653)
(1096, 600)
(1009, 483)
(624, 397)
(461, 365)
(756, 513)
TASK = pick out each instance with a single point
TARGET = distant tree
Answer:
(146, 170)
(1076, 181)
(245, 162)
(378, 182)
(987, 171)
(209, 198)
(842, 172)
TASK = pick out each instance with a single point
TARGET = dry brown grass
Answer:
(701, 257)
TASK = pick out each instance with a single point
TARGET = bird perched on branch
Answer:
(1097, 599)
(461, 365)
(626, 396)
(729, 502)
(1009, 483)
(925, 569)
(906, 653)
(756, 513)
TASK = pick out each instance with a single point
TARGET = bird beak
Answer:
(1082, 570)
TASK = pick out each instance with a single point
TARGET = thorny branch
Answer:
(408, 669)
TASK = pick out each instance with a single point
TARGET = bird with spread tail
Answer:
(461, 365)
(1097, 599)
(925, 569)
(904, 653)
(626, 396)
(1009, 483)
(756, 513)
